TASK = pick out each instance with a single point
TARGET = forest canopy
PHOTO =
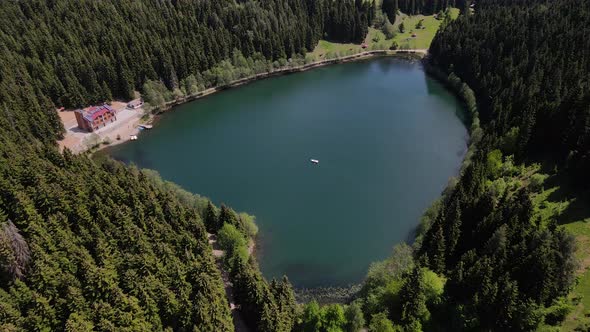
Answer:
(82, 52)
(484, 257)
(87, 245)
(103, 246)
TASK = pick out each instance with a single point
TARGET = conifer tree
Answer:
(211, 219)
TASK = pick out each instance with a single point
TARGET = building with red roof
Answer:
(94, 117)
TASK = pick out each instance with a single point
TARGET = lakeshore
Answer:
(127, 126)
(91, 243)
(412, 53)
(376, 126)
(121, 130)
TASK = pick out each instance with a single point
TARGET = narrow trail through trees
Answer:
(239, 323)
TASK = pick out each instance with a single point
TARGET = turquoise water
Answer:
(387, 138)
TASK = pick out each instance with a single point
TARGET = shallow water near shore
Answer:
(387, 137)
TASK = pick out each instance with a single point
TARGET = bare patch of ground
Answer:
(78, 140)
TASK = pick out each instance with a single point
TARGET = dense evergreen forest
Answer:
(529, 73)
(77, 53)
(527, 63)
(100, 246)
(485, 258)
(416, 7)
(87, 246)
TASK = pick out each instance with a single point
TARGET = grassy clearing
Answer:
(455, 13)
(424, 36)
(573, 214)
(579, 318)
(326, 49)
(413, 37)
(555, 199)
(376, 40)
(580, 295)
(545, 208)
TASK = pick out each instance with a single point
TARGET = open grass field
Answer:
(580, 295)
(376, 40)
(326, 49)
(424, 36)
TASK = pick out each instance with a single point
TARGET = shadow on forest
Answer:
(578, 208)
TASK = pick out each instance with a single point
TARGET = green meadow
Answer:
(415, 36)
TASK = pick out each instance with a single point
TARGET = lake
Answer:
(387, 137)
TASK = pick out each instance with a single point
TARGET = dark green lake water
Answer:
(388, 138)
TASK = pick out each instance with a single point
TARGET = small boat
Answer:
(133, 137)
(314, 161)
(145, 126)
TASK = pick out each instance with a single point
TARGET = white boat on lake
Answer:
(314, 161)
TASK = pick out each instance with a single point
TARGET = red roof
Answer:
(93, 112)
